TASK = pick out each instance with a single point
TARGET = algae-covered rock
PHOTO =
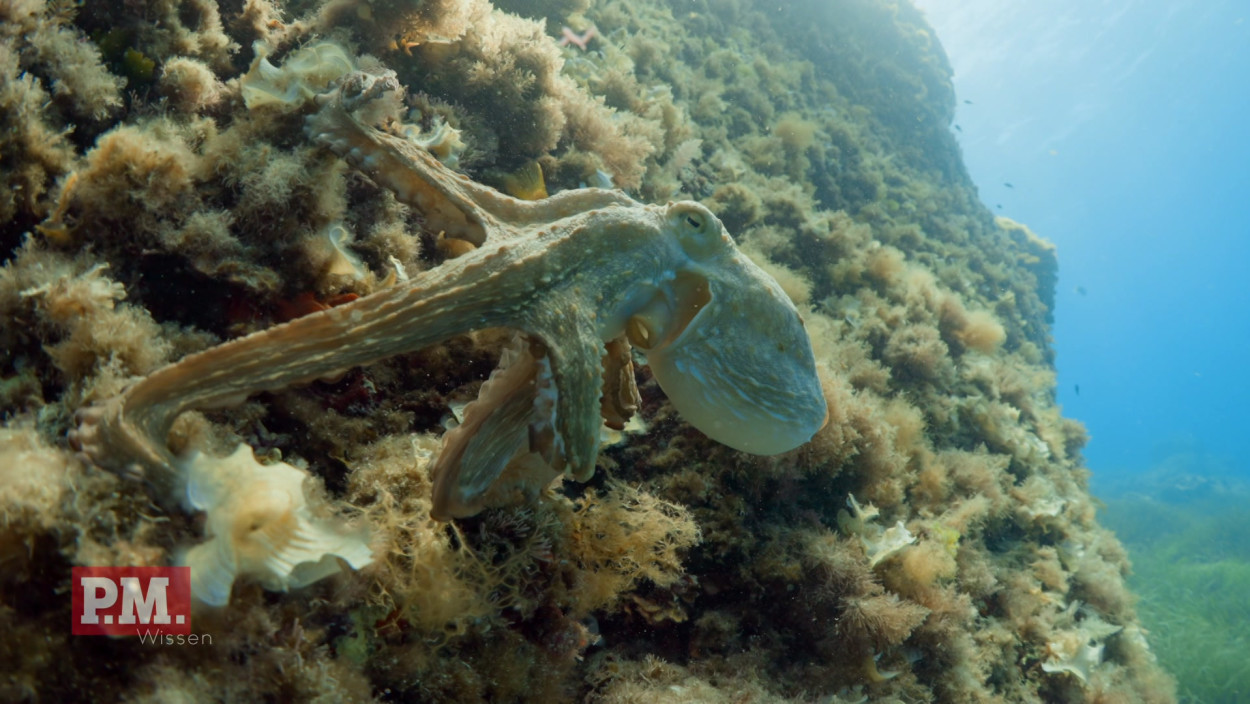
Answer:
(140, 226)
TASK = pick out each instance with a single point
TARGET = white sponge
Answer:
(261, 525)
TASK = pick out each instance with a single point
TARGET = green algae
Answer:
(1191, 570)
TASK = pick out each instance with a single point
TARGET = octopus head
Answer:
(727, 345)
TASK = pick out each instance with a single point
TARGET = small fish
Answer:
(958, 128)
(1008, 184)
(1077, 389)
(526, 182)
(967, 102)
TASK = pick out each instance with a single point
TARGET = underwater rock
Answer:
(146, 224)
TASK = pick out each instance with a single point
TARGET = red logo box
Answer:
(132, 601)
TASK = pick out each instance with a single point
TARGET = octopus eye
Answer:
(696, 229)
(639, 333)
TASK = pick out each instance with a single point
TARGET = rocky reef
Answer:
(934, 542)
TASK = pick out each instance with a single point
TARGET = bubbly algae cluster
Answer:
(934, 542)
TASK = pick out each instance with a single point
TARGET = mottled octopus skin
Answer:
(572, 272)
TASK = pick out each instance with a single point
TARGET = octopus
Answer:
(586, 278)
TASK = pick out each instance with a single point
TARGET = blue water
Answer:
(1124, 130)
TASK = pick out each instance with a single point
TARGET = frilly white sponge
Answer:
(261, 525)
(305, 73)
